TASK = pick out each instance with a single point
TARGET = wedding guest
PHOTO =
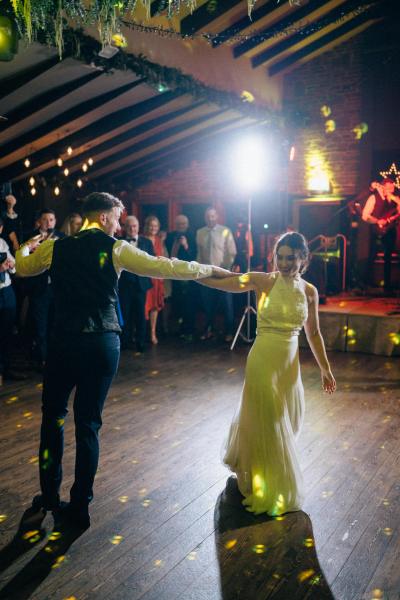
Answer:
(181, 243)
(156, 294)
(7, 306)
(40, 291)
(11, 223)
(216, 246)
(132, 290)
(72, 224)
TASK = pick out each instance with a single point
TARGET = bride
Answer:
(261, 446)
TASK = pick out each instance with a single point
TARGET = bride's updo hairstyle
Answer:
(295, 241)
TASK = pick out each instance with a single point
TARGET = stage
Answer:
(360, 324)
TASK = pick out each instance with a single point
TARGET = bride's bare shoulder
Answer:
(310, 291)
(264, 281)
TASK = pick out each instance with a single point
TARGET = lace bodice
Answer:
(285, 309)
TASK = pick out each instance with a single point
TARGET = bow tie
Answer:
(131, 239)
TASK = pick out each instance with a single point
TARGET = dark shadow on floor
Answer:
(50, 557)
(261, 557)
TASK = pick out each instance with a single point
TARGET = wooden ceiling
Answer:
(128, 127)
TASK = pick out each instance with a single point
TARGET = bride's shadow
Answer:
(261, 557)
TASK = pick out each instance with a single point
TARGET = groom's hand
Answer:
(220, 273)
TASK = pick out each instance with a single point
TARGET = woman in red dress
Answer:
(155, 295)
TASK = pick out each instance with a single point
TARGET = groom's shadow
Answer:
(262, 557)
(51, 556)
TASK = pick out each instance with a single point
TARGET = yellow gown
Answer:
(261, 446)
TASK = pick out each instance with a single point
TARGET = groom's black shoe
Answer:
(41, 503)
(71, 517)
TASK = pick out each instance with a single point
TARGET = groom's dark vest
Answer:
(85, 283)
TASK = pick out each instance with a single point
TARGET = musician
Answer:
(382, 210)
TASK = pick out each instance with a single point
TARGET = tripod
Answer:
(249, 309)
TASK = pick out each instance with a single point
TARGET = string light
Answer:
(60, 162)
(32, 181)
(84, 167)
(392, 172)
(57, 190)
(90, 161)
(33, 191)
(79, 183)
(69, 150)
(27, 162)
(66, 172)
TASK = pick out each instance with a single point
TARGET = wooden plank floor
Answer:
(167, 521)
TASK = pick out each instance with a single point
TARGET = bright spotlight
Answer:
(249, 162)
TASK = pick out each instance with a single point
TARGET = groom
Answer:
(85, 347)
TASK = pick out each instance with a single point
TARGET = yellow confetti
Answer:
(28, 415)
(116, 539)
(154, 373)
(30, 534)
(34, 460)
(388, 531)
(55, 535)
(11, 399)
(259, 549)
(231, 370)
(136, 391)
(304, 575)
(158, 563)
(123, 499)
(377, 594)
(3, 518)
(326, 110)
(192, 555)
(308, 543)
(58, 562)
(230, 544)
(146, 503)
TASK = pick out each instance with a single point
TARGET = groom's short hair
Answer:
(98, 202)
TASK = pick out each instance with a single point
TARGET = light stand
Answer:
(249, 309)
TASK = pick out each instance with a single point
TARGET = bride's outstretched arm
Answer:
(242, 282)
(316, 341)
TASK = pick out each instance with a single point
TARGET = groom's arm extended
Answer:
(128, 258)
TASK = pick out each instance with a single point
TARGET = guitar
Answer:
(385, 224)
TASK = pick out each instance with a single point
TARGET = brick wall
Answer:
(335, 80)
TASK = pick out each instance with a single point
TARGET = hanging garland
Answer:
(81, 46)
(34, 16)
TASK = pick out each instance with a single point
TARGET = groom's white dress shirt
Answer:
(125, 256)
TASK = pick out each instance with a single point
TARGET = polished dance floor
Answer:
(167, 522)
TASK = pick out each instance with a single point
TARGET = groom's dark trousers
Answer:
(88, 361)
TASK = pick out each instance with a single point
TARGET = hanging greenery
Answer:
(34, 16)
(83, 47)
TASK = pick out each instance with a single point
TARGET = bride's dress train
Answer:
(261, 446)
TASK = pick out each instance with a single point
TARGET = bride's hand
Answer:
(328, 381)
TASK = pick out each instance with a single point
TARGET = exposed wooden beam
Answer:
(179, 145)
(46, 98)
(358, 23)
(205, 15)
(100, 126)
(66, 117)
(289, 21)
(185, 152)
(161, 137)
(245, 22)
(342, 12)
(14, 82)
(143, 128)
